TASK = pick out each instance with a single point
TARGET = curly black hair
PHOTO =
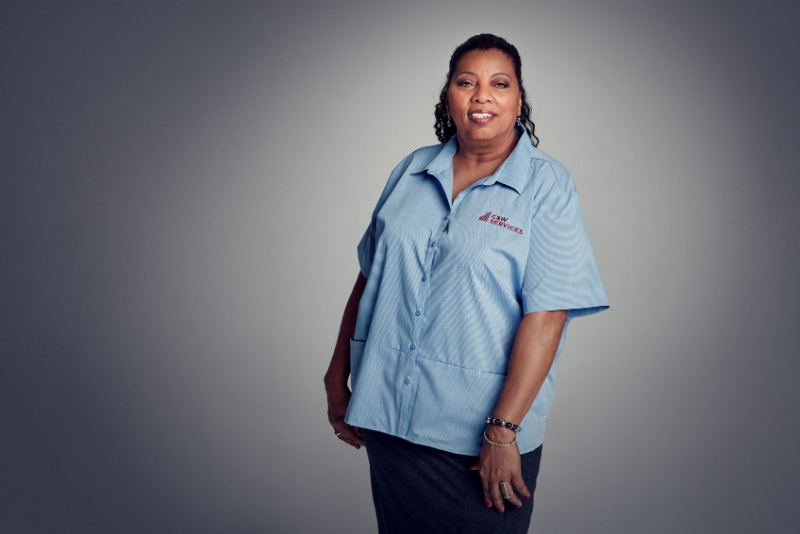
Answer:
(484, 41)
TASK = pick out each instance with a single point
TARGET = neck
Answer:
(478, 152)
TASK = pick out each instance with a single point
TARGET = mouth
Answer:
(481, 117)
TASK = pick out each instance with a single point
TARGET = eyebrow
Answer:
(470, 72)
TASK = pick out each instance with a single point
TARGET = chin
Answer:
(484, 134)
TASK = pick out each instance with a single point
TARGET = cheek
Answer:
(512, 102)
(457, 105)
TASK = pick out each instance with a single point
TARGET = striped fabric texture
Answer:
(448, 284)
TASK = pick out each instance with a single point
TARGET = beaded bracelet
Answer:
(499, 444)
(500, 422)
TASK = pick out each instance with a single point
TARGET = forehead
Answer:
(487, 61)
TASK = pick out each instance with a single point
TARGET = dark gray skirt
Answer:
(420, 489)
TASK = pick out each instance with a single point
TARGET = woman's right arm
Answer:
(339, 370)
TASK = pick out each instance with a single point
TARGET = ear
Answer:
(447, 106)
(519, 106)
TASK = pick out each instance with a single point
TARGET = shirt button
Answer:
(418, 313)
(433, 244)
(407, 381)
(424, 277)
(413, 347)
(446, 217)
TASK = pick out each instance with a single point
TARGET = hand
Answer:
(500, 464)
(338, 399)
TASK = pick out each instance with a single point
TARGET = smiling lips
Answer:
(481, 116)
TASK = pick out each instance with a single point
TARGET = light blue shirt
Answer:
(447, 286)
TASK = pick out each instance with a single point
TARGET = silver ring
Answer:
(504, 485)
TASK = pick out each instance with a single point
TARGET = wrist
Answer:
(503, 423)
(500, 434)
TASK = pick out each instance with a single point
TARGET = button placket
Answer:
(423, 293)
(408, 377)
(409, 383)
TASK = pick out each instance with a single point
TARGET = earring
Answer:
(518, 123)
(448, 121)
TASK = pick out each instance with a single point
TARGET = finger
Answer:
(497, 496)
(354, 434)
(513, 499)
(346, 434)
(520, 486)
(476, 466)
(349, 442)
(487, 498)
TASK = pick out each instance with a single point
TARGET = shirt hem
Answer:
(452, 450)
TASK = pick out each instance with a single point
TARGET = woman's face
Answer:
(484, 98)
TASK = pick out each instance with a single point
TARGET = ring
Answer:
(338, 434)
(506, 495)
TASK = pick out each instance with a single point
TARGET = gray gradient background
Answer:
(183, 189)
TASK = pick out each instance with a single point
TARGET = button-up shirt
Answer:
(448, 283)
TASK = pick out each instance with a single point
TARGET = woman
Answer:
(474, 263)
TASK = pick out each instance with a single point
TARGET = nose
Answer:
(482, 94)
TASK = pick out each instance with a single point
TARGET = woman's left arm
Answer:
(532, 355)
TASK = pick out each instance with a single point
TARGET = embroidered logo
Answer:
(497, 220)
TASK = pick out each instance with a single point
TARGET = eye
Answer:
(504, 85)
(464, 83)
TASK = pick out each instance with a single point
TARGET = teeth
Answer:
(482, 115)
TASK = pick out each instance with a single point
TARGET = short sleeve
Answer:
(366, 247)
(561, 271)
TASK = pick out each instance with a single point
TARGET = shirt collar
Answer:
(512, 172)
